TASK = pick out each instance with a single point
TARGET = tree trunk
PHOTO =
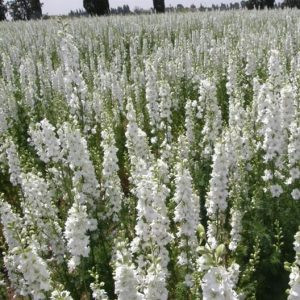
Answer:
(159, 6)
(36, 9)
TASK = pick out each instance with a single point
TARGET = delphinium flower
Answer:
(14, 164)
(3, 121)
(75, 87)
(235, 233)
(77, 156)
(7, 69)
(76, 233)
(251, 63)
(8, 104)
(165, 108)
(41, 214)
(13, 232)
(28, 83)
(217, 284)
(111, 185)
(189, 121)
(45, 141)
(275, 70)
(238, 118)
(152, 97)
(216, 202)
(208, 107)
(27, 271)
(155, 284)
(125, 276)
(273, 143)
(294, 159)
(294, 292)
(12, 224)
(117, 93)
(35, 272)
(288, 106)
(152, 225)
(152, 231)
(60, 294)
(97, 287)
(187, 212)
(136, 139)
(272, 123)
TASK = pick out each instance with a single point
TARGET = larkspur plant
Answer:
(151, 157)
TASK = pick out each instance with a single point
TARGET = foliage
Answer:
(3, 10)
(96, 7)
(25, 9)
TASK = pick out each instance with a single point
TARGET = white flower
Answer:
(35, 272)
(217, 284)
(218, 193)
(294, 292)
(45, 142)
(187, 211)
(61, 295)
(76, 229)
(276, 190)
(76, 153)
(98, 291)
(111, 184)
(296, 194)
(236, 224)
(126, 283)
(295, 173)
(267, 175)
(13, 164)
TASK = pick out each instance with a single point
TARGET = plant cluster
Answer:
(151, 157)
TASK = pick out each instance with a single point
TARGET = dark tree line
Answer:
(101, 7)
(21, 9)
(32, 9)
(96, 7)
(260, 4)
(3, 10)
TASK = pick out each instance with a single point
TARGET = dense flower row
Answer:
(151, 157)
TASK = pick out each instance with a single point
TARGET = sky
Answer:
(56, 7)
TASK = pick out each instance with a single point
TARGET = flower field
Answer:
(151, 157)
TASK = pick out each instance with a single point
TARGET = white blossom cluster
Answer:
(76, 228)
(78, 158)
(294, 158)
(294, 292)
(186, 214)
(217, 283)
(126, 283)
(111, 184)
(43, 138)
(235, 233)
(14, 164)
(40, 213)
(218, 193)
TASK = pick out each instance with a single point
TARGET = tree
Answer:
(159, 6)
(36, 9)
(291, 3)
(3, 10)
(25, 9)
(180, 7)
(96, 7)
(260, 4)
